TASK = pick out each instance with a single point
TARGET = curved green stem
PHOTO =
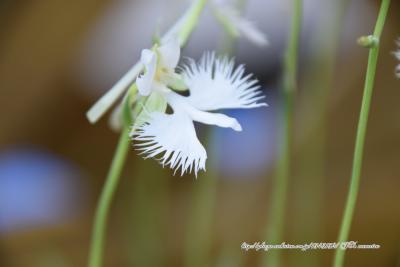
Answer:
(103, 207)
(360, 138)
(279, 195)
(190, 20)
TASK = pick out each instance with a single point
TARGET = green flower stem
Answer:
(198, 239)
(191, 21)
(100, 221)
(360, 138)
(311, 178)
(97, 243)
(229, 254)
(279, 195)
(107, 194)
(228, 43)
(199, 228)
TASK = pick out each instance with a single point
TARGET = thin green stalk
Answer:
(107, 194)
(279, 195)
(191, 20)
(318, 80)
(149, 215)
(361, 133)
(230, 255)
(198, 241)
(229, 42)
(100, 221)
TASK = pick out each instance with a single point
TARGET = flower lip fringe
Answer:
(213, 83)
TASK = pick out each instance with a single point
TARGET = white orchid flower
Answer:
(159, 67)
(237, 25)
(119, 90)
(228, 16)
(213, 83)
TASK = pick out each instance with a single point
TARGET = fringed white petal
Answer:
(173, 138)
(214, 83)
(170, 53)
(145, 81)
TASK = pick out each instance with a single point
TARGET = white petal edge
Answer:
(170, 53)
(217, 119)
(214, 83)
(397, 55)
(243, 26)
(249, 30)
(179, 102)
(109, 98)
(115, 120)
(145, 81)
(171, 137)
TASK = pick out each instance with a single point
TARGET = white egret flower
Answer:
(226, 14)
(119, 90)
(237, 25)
(213, 83)
(159, 68)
